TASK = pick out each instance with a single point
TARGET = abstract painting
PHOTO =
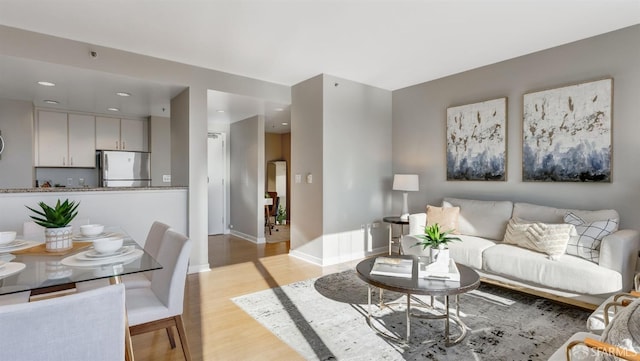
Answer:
(476, 141)
(567, 133)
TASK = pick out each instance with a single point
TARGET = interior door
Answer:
(217, 165)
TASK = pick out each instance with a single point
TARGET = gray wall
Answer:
(160, 134)
(247, 178)
(340, 135)
(307, 158)
(419, 117)
(180, 139)
(357, 154)
(16, 124)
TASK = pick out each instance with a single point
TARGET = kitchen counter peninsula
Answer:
(86, 189)
(134, 209)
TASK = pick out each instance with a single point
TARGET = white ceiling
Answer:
(389, 44)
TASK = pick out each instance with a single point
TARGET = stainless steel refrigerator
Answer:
(123, 169)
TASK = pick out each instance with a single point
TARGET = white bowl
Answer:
(7, 237)
(91, 229)
(107, 245)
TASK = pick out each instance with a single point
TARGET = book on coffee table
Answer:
(393, 267)
(437, 272)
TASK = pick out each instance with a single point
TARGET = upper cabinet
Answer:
(122, 134)
(65, 140)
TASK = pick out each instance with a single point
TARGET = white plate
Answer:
(15, 244)
(79, 237)
(74, 261)
(92, 254)
(11, 268)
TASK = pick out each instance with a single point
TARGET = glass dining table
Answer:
(25, 265)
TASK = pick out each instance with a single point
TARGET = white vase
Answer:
(439, 255)
(58, 239)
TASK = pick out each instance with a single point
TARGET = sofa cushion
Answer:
(487, 219)
(534, 212)
(590, 234)
(469, 251)
(541, 237)
(569, 273)
(445, 217)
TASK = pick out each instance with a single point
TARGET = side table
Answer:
(395, 220)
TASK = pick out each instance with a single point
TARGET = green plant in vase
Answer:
(281, 216)
(436, 240)
(55, 219)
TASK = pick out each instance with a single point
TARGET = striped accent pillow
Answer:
(550, 239)
(590, 234)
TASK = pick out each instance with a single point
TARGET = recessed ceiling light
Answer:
(113, 109)
(46, 83)
(123, 94)
(285, 123)
(278, 109)
(220, 111)
(49, 101)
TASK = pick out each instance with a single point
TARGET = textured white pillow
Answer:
(590, 234)
(551, 239)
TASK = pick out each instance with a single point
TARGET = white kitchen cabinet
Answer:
(134, 135)
(52, 139)
(107, 133)
(122, 134)
(65, 140)
(82, 140)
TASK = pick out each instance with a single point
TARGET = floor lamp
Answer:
(406, 183)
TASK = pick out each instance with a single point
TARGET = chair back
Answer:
(168, 282)
(32, 231)
(82, 326)
(154, 238)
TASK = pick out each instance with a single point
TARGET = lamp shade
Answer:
(405, 182)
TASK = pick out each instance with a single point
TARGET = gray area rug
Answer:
(325, 319)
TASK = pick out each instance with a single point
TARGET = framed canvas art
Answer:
(476, 141)
(567, 133)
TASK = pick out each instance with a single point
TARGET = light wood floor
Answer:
(217, 329)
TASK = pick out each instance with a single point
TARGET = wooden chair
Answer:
(160, 305)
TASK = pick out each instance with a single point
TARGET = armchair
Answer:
(619, 341)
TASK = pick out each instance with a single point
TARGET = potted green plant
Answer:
(55, 220)
(436, 240)
(281, 216)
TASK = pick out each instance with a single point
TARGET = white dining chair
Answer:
(84, 326)
(136, 280)
(32, 231)
(15, 298)
(151, 246)
(160, 305)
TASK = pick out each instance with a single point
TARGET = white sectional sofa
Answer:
(571, 279)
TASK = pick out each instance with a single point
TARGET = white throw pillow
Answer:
(590, 234)
(551, 239)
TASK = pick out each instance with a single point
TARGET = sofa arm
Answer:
(408, 246)
(619, 252)
(417, 222)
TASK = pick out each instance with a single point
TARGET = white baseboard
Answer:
(337, 260)
(305, 257)
(248, 237)
(199, 268)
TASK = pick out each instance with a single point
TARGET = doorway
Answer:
(216, 159)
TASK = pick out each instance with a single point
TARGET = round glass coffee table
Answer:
(469, 280)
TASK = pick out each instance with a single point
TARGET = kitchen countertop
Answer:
(85, 189)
